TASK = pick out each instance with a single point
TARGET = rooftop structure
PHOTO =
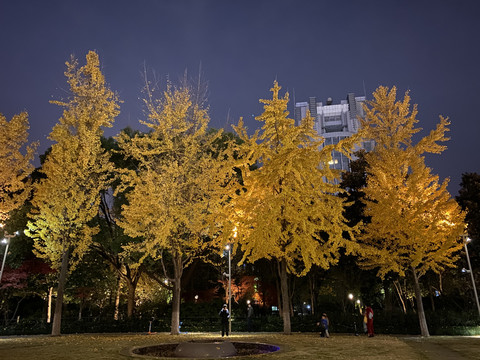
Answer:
(335, 122)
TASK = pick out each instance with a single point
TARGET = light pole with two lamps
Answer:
(466, 240)
(229, 249)
(351, 297)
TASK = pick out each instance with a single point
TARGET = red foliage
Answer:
(14, 278)
(17, 278)
(247, 288)
(36, 266)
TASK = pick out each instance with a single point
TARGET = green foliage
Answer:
(353, 182)
(469, 199)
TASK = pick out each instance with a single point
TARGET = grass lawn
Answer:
(297, 346)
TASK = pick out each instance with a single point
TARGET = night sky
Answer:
(313, 48)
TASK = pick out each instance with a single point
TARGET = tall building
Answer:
(335, 122)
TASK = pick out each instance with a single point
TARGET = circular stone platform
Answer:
(203, 350)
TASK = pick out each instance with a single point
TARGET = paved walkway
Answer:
(431, 350)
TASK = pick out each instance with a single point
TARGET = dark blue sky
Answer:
(314, 48)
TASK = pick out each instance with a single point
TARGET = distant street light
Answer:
(6, 241)
(466, 240)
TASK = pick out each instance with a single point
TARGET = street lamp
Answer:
(350, 296)
(466, 240)
(229, 249)
(6, 241)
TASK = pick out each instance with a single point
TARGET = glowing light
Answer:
(350, 296)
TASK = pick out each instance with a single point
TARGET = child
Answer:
(324, 326)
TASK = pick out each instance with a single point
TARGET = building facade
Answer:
(335, 122)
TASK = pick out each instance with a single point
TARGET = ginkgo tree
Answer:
(75, 170)
(288, 209)
(415, 225)
(177, 186)
(15, 163)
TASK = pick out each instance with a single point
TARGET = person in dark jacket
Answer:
(224, 316)
(324, 323)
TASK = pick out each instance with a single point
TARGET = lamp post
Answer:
(350, 296)
(466, 240)
(6, 241)
(228, 248)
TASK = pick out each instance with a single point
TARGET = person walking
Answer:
(369, 313)
(324, 323)
(249, 317)
(364, 321)
(224, 316)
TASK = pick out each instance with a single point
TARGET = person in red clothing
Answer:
(369, 314)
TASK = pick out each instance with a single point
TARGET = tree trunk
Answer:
(420, 311)
(432, 299)
(279, 294)
(62, 279)
(312, 284)
(388, 301)
(132, 285)
(117, 298)
(80, 308)
(282, 272)
(291, 290)
(398, 288)
(177, 292)
(15, 312)
(49, 304)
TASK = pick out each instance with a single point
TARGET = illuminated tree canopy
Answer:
(76, 170)
(15, 165)
(415, 224)
(178, 185)
(288, 209)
